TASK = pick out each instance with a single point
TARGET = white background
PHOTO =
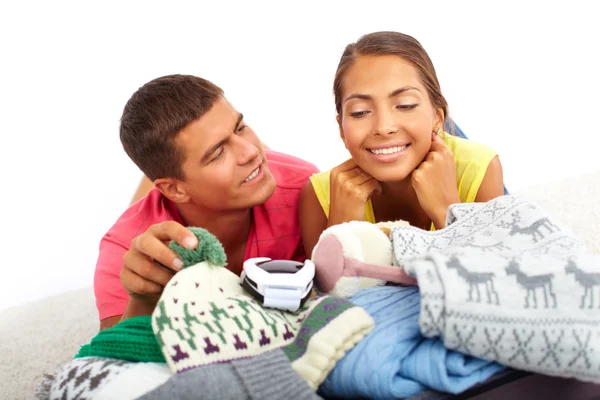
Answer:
(521, 77)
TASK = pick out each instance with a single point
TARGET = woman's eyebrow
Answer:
(402, 90)
(369, 97)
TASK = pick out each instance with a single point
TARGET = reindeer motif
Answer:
(474, 279)
(534, 230)
(531, 283)
(586, 279)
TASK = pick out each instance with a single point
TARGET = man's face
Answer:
(224, 165)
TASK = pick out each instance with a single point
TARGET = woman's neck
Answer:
(400, 191)
(399, 201)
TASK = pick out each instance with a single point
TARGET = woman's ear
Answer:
(172, 189)
(438, 120)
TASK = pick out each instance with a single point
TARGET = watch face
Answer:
(280, 266)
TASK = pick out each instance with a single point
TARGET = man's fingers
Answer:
(138, 285)
(151, 247)
(171, 230)
(146, 268)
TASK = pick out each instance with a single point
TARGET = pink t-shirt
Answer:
(275, 231)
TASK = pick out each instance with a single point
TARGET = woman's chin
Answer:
(392, 179)
(388, 175)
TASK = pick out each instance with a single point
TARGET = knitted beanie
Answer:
(205, 317)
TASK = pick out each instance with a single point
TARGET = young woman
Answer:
(391, 114)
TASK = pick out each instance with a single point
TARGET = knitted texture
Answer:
(329, 331)
(130, 340)
(505, 281)
(264, 377)
(395, 360)
(209, 249)
(325, 335)
(205, 317)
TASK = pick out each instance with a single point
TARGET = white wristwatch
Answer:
(281, 284)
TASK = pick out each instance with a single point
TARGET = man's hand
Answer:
(149, 264)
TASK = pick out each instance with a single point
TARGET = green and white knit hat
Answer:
(205, 317)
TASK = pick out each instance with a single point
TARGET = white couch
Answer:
(36, 338)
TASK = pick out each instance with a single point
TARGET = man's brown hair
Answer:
(156, 113)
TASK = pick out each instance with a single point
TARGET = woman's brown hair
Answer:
(391, 43)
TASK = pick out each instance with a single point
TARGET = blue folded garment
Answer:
(396, 360)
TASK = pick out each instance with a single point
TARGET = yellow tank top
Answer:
(471, 160)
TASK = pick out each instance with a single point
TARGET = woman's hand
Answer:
(434, 181)
(350, 189)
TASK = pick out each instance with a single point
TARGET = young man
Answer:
(209, 170)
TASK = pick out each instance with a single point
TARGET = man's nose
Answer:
(246, 151)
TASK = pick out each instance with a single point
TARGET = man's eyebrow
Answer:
(369, 97)
(237, 123)
(214, 148)
(210, 151)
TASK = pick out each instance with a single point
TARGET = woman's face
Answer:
(387, 117)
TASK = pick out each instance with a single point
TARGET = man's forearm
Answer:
(137, 308)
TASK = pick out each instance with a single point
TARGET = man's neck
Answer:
(230, 227)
